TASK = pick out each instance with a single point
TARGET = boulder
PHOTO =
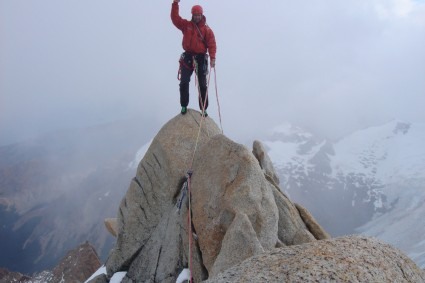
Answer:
(315, 229)
(152, 243)
(232, 205)
(345, 259)
(265, 162)
(291, 228)
(237, 211)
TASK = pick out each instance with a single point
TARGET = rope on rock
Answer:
(218, 103)
(187, 183)
(189, 223)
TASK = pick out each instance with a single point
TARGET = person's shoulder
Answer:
(186, 22)
(208, 29)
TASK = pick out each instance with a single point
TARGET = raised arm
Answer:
(175, 17)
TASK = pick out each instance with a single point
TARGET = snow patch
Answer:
(101, 270)
(116, 278)
(139, 155)
(183, 276)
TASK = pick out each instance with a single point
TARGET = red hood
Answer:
(203, 21)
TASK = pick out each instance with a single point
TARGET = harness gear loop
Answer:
(183, 63)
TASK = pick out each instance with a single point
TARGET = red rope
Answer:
(189, 220)
(191, 164)
(203, 104)
(206, 93)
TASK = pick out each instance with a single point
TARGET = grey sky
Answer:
(332, 66)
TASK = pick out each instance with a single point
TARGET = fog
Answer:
(330, 66)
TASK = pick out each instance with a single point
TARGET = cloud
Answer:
(331, 66)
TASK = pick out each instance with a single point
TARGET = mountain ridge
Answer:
(52, 186)
(375, 172)
(303, 162)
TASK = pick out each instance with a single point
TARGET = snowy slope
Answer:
(404, 225)
(371, 182)
(394, 155)
(392, 152)
(292, 150)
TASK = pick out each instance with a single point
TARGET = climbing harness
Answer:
(190, 64)
(182, 62)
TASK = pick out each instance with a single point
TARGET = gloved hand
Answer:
(212, 63)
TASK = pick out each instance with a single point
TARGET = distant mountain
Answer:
(56, 190)
(76, 266)
(370, 182)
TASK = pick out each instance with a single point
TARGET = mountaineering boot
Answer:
(184, 110)
(205, 114)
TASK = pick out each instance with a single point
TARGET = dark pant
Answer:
(186, 64)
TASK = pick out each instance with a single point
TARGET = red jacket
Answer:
(192, 40)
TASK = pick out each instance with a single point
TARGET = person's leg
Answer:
(184, 86)
(186, 73)
(202, 80)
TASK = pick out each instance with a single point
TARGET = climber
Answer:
(198, 39)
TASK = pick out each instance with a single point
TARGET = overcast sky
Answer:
(332, 66)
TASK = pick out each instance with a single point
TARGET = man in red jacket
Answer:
(198, 39)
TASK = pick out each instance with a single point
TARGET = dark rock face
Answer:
(78, 265)
(7, 276)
